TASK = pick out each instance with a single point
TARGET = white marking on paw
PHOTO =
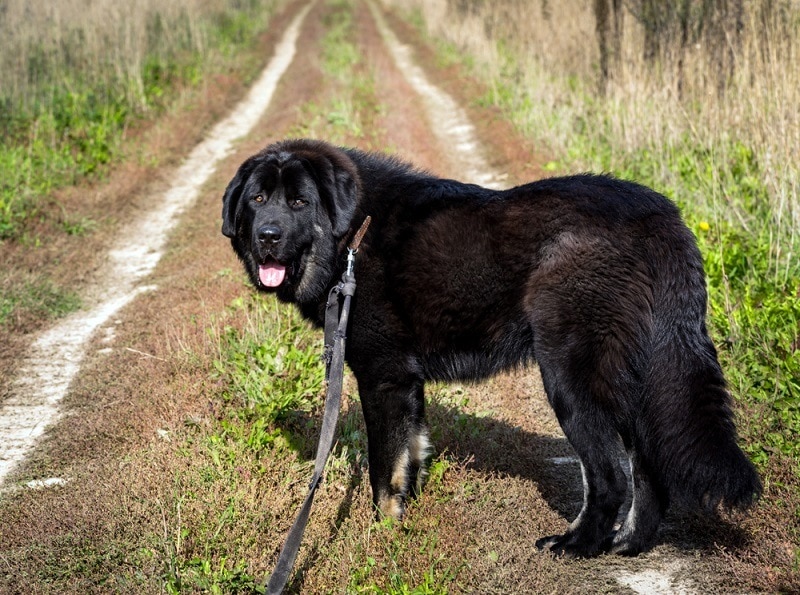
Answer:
(574, 524)
(390, 506)
(400, 471)
(421, 449)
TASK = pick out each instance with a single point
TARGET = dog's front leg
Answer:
(393, 404)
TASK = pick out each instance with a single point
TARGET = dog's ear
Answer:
(337, 181)
(231, 205)
(344, 199)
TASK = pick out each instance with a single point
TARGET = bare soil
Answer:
(140, 412)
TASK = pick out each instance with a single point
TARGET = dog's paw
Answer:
(569, 546)
(393, 507)
(629, 546)
(547, 543)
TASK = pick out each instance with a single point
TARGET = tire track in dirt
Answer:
(451, 125)
(448, 120)
(55, 357)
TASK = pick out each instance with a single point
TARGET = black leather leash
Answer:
(337, 310)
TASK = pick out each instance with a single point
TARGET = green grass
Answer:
(36, 299)
(351, 113)
(201, 575)
(379, 567)
(272, 371)
(199, 555)
(339, 53)
(272, 374)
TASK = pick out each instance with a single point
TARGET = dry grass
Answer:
(43, 45)
(553, 52)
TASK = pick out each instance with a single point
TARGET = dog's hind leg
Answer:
(592, 433)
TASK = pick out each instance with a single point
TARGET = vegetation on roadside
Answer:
(351, 112)
(73, 79)
(272, 369)
(37, 299)
(267, 360)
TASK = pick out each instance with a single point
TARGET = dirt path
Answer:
(154, 488)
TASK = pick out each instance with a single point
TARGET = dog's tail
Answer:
(685, 427)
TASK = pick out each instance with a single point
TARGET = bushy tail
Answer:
(686, 430)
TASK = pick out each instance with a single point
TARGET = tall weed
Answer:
(272, 368)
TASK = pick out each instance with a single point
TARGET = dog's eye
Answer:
(258, 198)
(298, 203)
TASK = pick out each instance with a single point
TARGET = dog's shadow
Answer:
(476, 441)
(494, 446)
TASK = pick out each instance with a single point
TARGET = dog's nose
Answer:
(269, 234)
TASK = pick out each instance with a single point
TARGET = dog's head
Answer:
(285, 211)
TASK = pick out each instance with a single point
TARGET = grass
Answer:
(351, 113)
(273, 371)
(35, 299)
(263, 443)
(267, 359)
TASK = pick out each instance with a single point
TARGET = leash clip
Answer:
(352, 250)
(351, 260)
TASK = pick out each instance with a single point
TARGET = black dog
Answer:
(596, 279)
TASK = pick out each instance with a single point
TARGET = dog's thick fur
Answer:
(596, 279)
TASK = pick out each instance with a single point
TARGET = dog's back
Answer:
(599, 281)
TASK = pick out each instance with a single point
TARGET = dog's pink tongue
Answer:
(271, 275)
